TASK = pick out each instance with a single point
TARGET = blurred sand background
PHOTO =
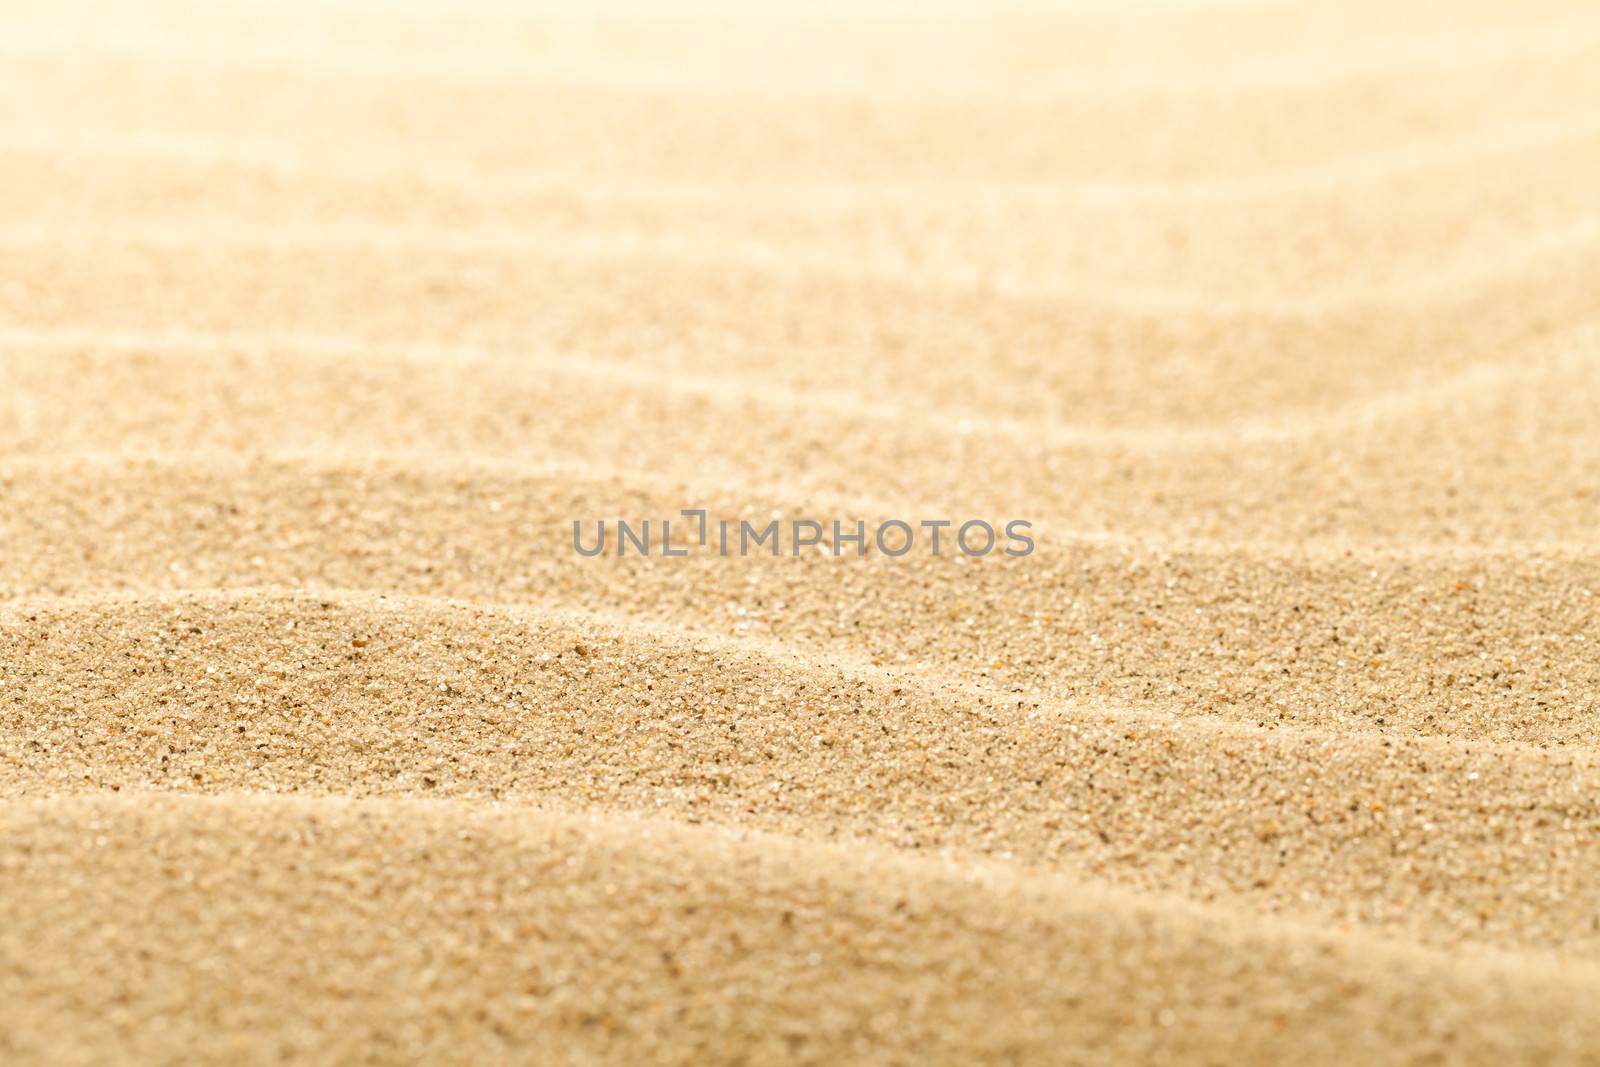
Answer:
(320, 323)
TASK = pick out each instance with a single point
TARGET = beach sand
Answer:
(321, 325)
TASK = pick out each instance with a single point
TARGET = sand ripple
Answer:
(321, 323)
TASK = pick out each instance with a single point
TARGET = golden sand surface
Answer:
(321, 324)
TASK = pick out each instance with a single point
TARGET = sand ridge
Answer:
(321, 324)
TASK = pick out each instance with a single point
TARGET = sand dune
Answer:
(1423, 467)
(620, 940)
(1147, 359)
(321, 693)
(320, 325)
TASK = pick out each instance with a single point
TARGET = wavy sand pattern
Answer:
(320, 323)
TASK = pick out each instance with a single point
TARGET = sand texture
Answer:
(320, 324)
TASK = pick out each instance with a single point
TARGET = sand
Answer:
(320, 324)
